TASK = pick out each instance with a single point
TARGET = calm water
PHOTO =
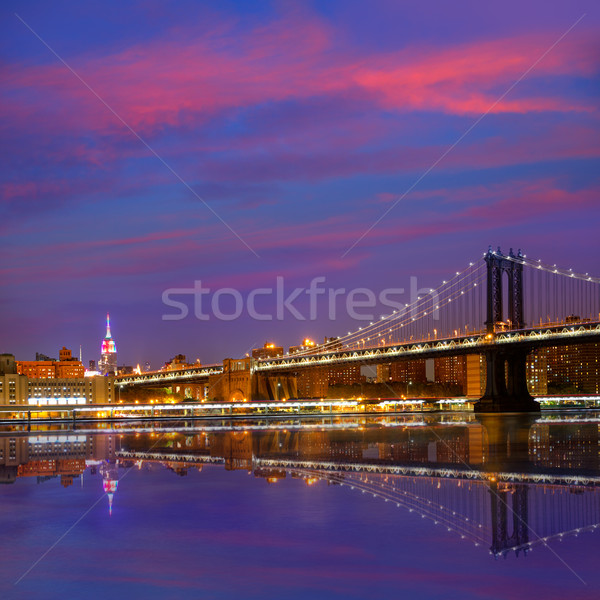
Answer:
(417, 506)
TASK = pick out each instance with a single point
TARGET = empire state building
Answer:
(107, 365)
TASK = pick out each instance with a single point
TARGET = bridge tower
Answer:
(506, 383)
(497, 265)
(504, 498)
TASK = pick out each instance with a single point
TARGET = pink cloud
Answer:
(554, 142)
(16, 191)
(301, 243)
(181, 79)
(535, 199)
(470, 78)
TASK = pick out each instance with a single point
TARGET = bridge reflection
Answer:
(507, 484)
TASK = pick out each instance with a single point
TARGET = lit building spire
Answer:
(108, 358)
(110, 487)
(109, 482)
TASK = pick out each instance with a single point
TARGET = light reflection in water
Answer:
(503, 484)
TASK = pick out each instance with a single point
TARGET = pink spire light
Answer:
(108, 344)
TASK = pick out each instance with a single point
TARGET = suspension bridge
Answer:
(503, 306)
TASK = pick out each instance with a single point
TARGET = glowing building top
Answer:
(108, 361)
(109, 482)
(108, 344)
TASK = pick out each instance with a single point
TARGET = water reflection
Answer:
(505, 484)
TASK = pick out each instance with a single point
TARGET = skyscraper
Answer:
(107, 364)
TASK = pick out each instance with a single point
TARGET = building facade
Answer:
(307, 345)
(574, 369)
(315, 382)
(450, 370)
(66, 367)
(405, 371)
(20, 390)
(269, 350)
(179, 361)
(475, 375)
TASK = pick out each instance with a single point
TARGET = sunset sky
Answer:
(147, 147)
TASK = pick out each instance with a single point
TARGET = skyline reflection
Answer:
(505, 484)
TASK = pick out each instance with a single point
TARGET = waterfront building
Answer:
(306, 345)
(450, 370)
(574, 368)
(14, 389)
(179, 361)
(269, 350)
(405, 371)
(554, 370)
(42, 369)
(7, 364)
(84, 390)
(67, 366)
(17, 389)
(315, 382)
(475, 375)
(107, 365)
(20, 390)
(537, 373)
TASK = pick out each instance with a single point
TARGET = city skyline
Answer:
(300, 126)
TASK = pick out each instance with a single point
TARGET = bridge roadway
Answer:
(554, 335)
(533, 337)
(161, 378)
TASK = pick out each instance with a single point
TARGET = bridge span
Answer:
(481, 310)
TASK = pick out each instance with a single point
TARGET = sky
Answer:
(243, 145)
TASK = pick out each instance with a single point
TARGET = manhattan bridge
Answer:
(503, 307)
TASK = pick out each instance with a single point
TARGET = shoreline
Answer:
(274, 415)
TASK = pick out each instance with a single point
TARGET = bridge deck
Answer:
(534, 337)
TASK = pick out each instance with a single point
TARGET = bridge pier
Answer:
(239, 382)
(506, 385)
(517, 538)
(506, 440)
